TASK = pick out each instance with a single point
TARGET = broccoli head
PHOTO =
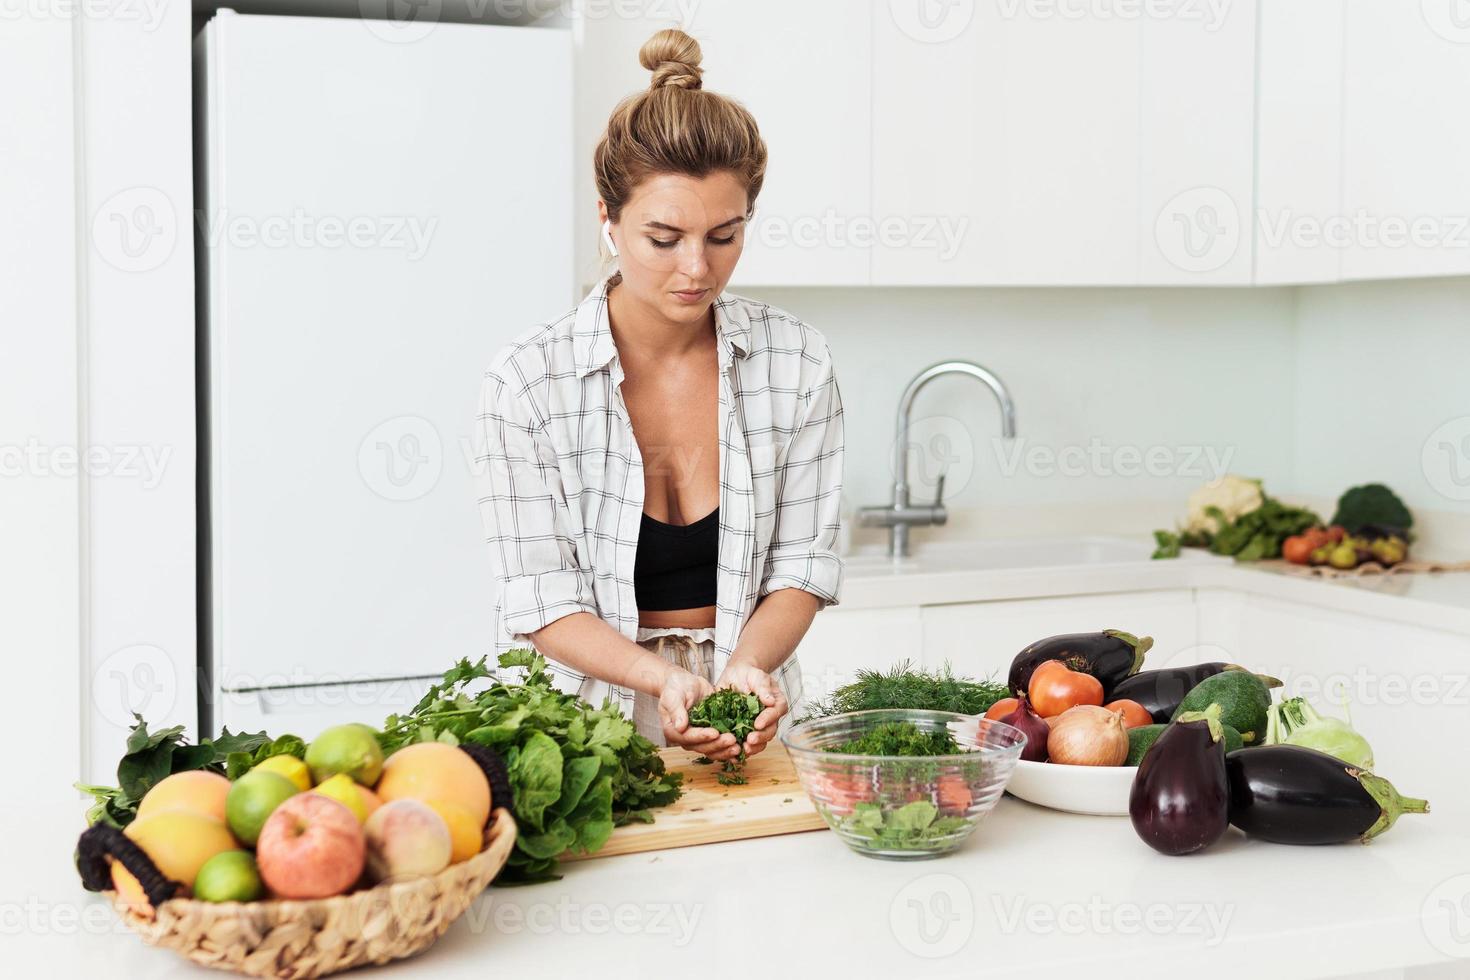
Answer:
(1372, 503)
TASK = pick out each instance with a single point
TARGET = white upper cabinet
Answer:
(1406, 139)
(991, 165)
(1030, 144)
(803, 70)
(1195, 159)
(1299, 141)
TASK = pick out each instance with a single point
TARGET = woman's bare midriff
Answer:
(684, 618)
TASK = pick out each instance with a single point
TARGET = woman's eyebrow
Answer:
(723, 224)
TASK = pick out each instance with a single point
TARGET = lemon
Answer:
(290, 767)
(343, 788)
(229, 876)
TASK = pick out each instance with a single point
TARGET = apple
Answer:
(406, 839)
(310, 847)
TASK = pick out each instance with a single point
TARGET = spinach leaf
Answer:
(576, 771)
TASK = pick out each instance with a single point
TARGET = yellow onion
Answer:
(1088, 736)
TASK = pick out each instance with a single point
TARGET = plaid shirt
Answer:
(562, 478)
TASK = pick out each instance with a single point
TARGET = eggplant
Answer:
(1161, 691)
(1180, 801)
(1291, 794)
(1110, 656)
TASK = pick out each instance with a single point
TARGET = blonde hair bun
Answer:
(674, 58)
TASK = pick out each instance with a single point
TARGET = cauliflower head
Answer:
(1234, 495)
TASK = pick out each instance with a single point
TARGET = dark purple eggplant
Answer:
(1180, 802)
(1291, 794)
(1109, 656)
(1161, 691)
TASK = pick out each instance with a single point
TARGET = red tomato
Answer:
(1055, 689)
(1134, 714)
(1002, 708)
(954, 794)
(842, 791)
(1298, 548)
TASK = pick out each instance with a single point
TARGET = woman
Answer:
(663, 464)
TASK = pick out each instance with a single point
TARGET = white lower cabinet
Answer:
(980, 639)
(841, 642)
(1406, 688)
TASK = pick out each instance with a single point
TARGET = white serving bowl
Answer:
(1097, 790)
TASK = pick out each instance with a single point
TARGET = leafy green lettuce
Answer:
(576, 771)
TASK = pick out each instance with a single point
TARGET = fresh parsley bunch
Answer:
(899, 738)
(576, 771)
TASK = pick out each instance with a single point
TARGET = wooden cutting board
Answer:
(771, 802)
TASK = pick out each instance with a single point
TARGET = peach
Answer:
(310, 847)
(406, 839)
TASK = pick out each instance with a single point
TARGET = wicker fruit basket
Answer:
(299, 939)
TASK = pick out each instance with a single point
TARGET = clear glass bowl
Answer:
(904, 807)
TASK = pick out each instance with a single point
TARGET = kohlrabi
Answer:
(1296, 722)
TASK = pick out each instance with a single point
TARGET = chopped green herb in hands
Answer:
(728, 710)
(904, 686)
(899, 738)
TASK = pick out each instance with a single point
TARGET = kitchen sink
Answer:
(1005, 553)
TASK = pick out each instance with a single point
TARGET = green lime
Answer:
(351, 748)
(253, 798)
(229, 876)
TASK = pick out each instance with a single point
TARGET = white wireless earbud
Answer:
(607, 237)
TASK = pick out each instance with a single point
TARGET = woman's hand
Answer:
(682, 690)
(750, 679)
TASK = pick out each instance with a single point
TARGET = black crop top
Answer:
(675, 564)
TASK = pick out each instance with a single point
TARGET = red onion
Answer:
(1033, 725)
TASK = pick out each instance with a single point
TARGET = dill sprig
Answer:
(904, 686)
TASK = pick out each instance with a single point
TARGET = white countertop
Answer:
(1033, 893)
(977, 571)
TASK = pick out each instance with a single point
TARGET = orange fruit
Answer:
(178, 842)
(434, 771)
(465, 836)
(198, 790)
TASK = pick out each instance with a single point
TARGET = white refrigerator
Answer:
(378, 212)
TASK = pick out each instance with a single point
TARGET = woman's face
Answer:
(678, 240)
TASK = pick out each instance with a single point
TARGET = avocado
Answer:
(1142, 738)
(1243, 699)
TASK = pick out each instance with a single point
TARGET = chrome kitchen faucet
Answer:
(899, 516)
